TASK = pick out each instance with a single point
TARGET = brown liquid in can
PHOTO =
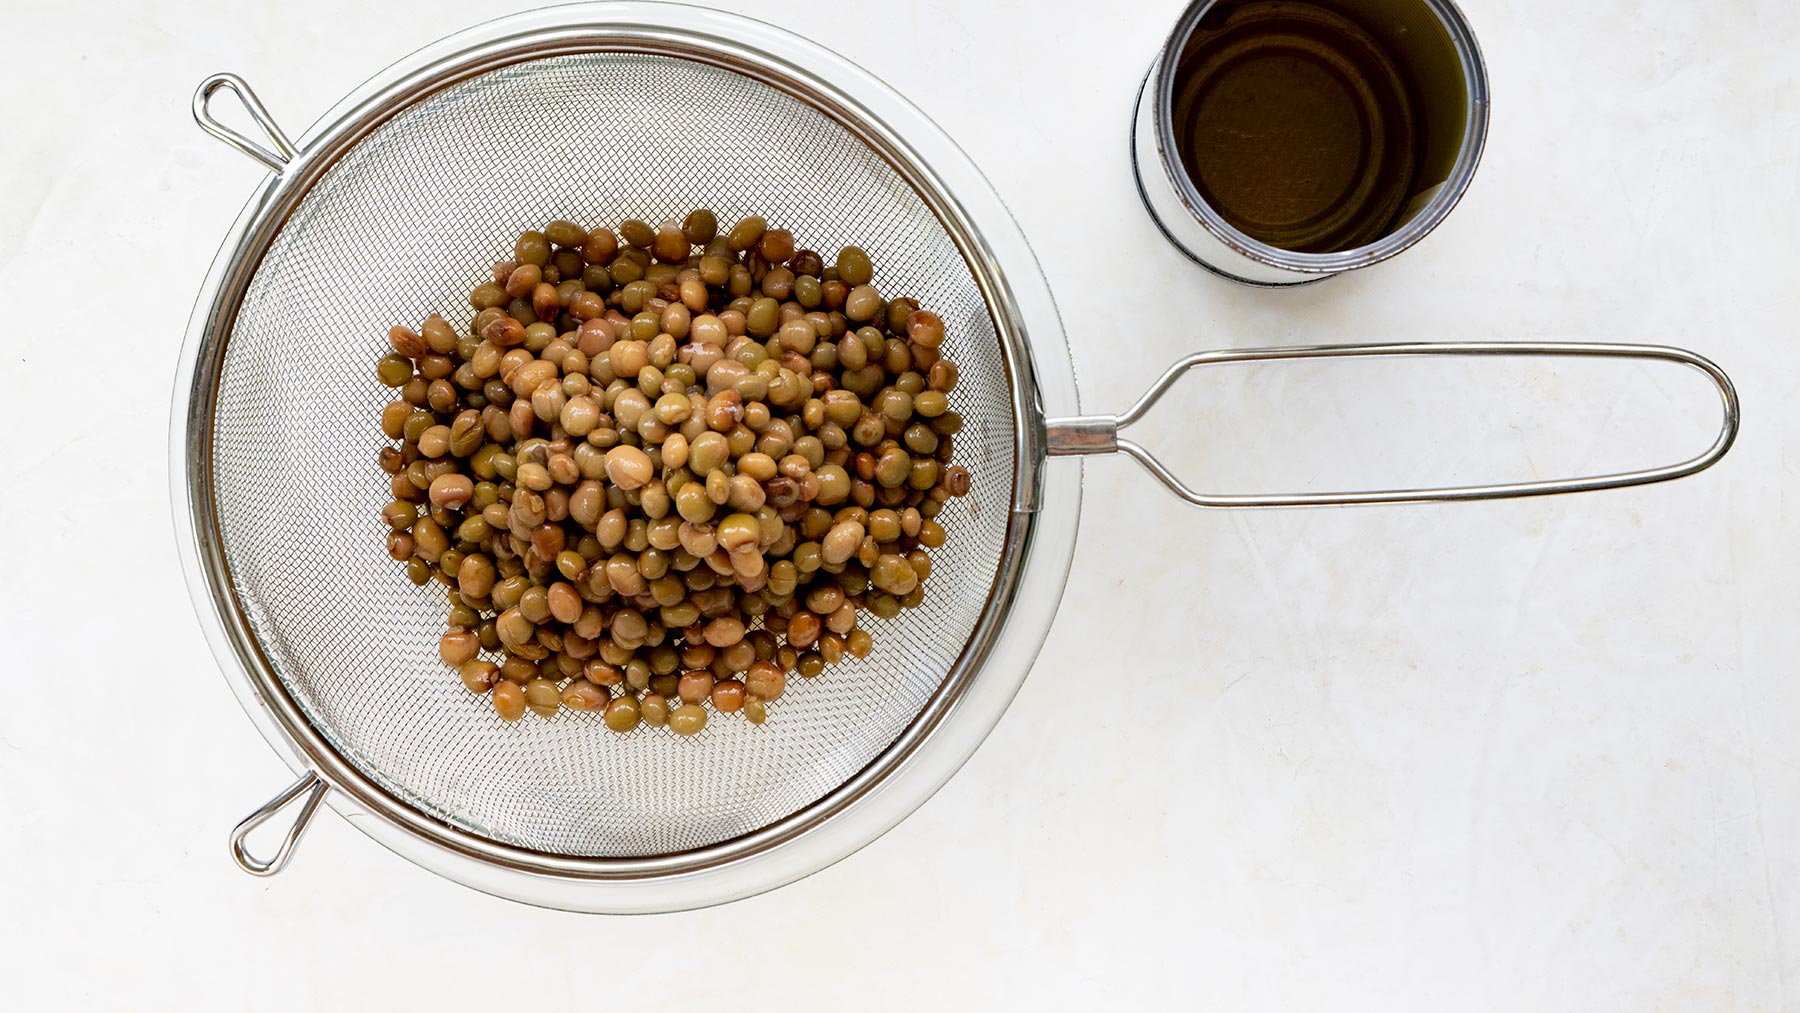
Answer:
(1296, 124)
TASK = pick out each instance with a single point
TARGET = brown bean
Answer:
(548, 401)
(825, 598)
(924, 327)
(476, 576)
(451, 491)
(746, 494)
(655, 709)
(728, 696)
(439, 336)
(725, 409)
(434, 441)
(841, 542)
(434, 367)
(602, 673)
(458, 646)
(509, 701)
(637, 233)
(623, 714)
(563, 469)
(724, 631)
(479, 676)
(600, 247)
(803, 629)
(776, 245)
(942, 376)
(565, 603)
(514, 628)
(956, 480)
(747, 233)
(628, 467)
(523, 279)
(843, 620)
(670, 245)
(688, 719)
(517, 669)
(765, 681)
(541, 696)
(628, 358)
(504, 332)
(859, 643)
(399, 514)
(582, 695)
(408, 342)
(737, 657)
(931, 534)
(695, 687)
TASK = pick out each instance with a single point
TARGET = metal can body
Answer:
(1446, 81)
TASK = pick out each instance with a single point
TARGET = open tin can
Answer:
(1278, 142)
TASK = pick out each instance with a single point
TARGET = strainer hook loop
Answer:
(310, 785)
(284, 152)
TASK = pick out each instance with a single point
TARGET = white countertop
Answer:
(1533, 755)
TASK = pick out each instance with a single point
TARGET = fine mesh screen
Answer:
(403, 226)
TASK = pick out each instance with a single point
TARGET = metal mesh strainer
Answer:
(292, 437)
(596, 113)
(600, 113)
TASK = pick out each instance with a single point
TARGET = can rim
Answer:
(1450, 192)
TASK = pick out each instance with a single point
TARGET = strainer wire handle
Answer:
(1099, 434)
(310, 785)
(284, 152)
